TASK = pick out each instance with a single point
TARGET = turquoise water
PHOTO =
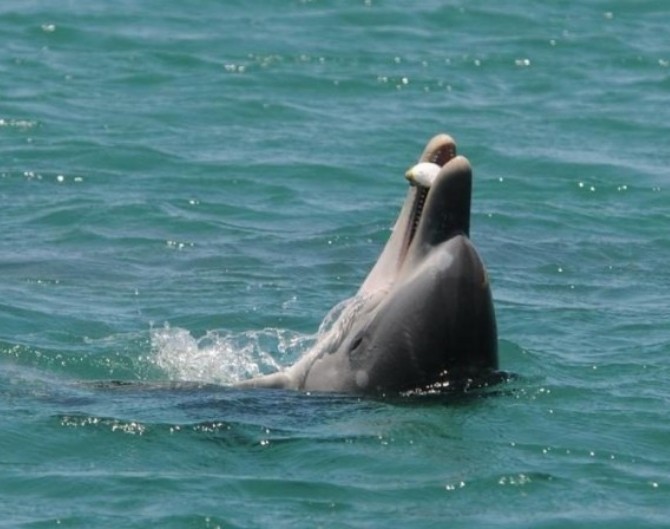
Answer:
(187, 188)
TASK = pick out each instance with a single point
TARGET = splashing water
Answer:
(222, 357)
(227, 358)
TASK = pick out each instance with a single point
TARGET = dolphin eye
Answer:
(355, 343)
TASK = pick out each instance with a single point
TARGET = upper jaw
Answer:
(439, 150)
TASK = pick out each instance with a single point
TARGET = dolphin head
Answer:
(432, 321)
(423, 318)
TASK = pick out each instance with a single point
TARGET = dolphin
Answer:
(423, 317)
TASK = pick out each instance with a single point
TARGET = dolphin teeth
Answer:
(417, 211)
(422, 176)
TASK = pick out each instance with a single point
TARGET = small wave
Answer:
(223, 357)
(227, 357)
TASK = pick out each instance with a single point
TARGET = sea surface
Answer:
(188, 187)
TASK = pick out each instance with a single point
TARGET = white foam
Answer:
(226, 357)
(222, 357)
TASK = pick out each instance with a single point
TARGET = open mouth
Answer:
(436, 155)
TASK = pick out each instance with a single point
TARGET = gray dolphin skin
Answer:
(424, 317)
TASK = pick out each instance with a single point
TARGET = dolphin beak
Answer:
(438, 152)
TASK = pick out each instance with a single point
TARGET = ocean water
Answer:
(187, 188)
